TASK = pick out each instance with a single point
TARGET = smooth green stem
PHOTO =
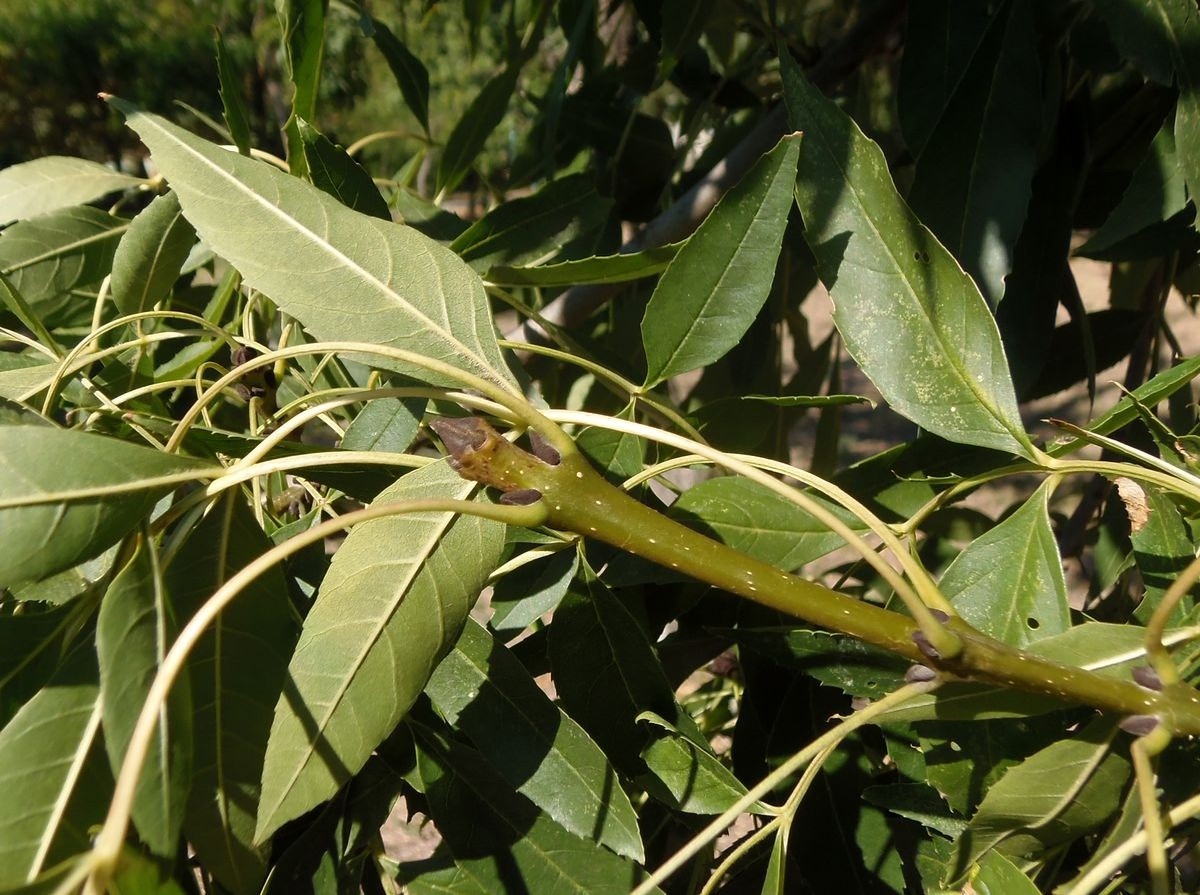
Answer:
(1156, 852)
(579, 499)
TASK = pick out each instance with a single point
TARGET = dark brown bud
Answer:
(919, 674)
(461, 434)
(923, 644)
(522, 497)
(1147, 677)
(1139, 725)
(543, 450)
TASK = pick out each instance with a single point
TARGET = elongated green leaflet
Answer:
(910, 316)
(338, 272)
(392, 604)
(719, 280)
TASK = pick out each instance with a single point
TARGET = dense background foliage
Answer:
(259, 634)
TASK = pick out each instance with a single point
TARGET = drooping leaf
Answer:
(386, 424)
(837, 660)
(341, 274)
(1155, 194)
(499, 838)
(393, 602)
(1059, 793)
(974, 174)
(599, 269)
(472, 130)
(133, 633)
(685, 776)
(755, 520)
(233, 102)
(897, 293)
(53, 773)
(537, 226)
(55, 182)
(482, 690)
(1009, 582)
(408, 70)
(47, 257)
(332, 170)
(998, 874)
(718, 281)
(940, 41)
(236, 671)
(607, 673)
(526, 594)
(45, 534)
(150, 254)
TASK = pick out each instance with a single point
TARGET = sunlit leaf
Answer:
(897, 293)
(133, 633)
(342, 274)
(1065, 790)
(526, 594)
(392, 604)
(53, 773)
(718, 281)
(685, 776)
(47, 257)
(531, 227)
(474, 127)
(150, 254)
(1009, 582)
(599, 269)
(332, 170)
(483, 691)
(56, 181)
(41, 463)
(755, 520)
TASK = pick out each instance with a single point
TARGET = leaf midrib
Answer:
(437, 531)
(938, 337)
(432, 327)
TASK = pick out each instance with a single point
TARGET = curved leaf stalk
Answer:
(1102, 872)
(781, 822)
(107, 846)
(579, 499)
(631, 390)
(520, 409)
(828, 740)
(1141, 752)
(1156, 651)
(746, 466)
(1109, 469)
(76, 359)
